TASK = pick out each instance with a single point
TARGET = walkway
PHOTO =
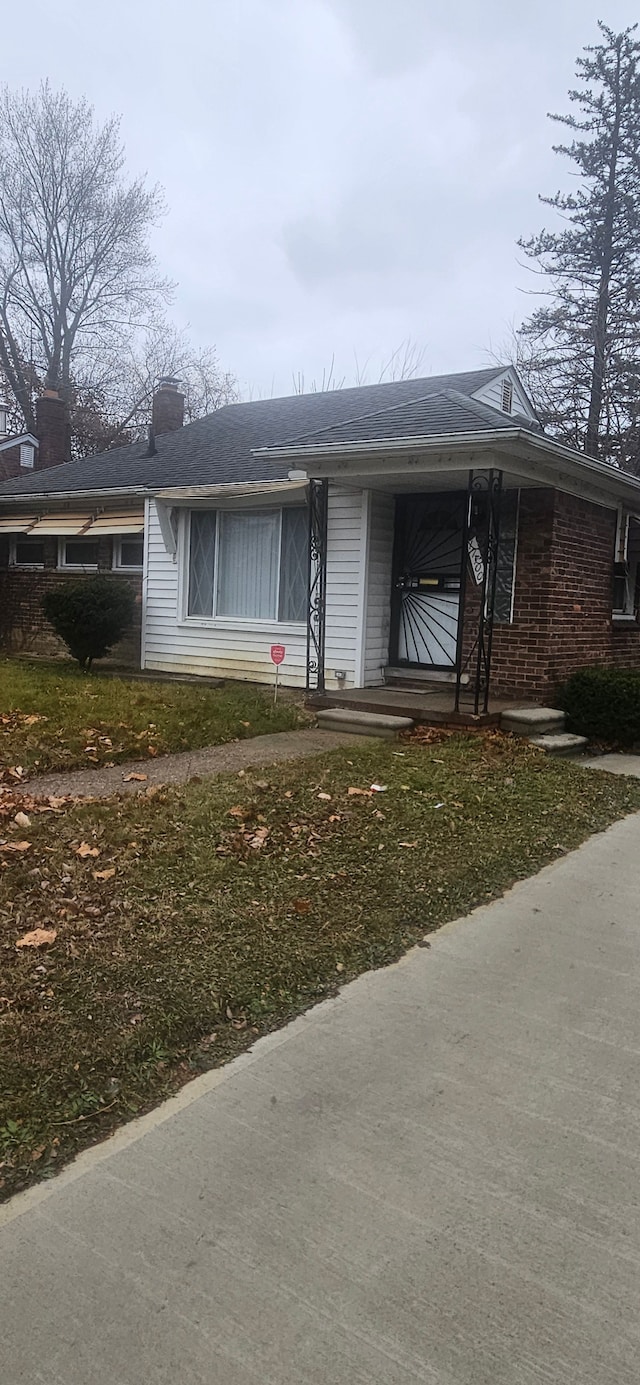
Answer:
(433, 1178)
(177, 769)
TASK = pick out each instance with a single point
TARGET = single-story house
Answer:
(420, 530)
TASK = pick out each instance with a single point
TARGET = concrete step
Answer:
(419, 677)
(532, 721)
(363, 723)
(560, 743)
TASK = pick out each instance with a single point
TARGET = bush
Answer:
(604, 704)
(90, 615)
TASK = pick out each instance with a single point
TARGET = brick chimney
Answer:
(167, 411)
(53, 430)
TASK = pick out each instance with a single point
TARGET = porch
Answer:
(433, 706)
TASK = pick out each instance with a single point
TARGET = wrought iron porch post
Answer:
(489, 484)
(464, 558)
(317, 584)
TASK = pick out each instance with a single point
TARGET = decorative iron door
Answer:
(426, 580)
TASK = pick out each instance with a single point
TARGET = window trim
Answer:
(13, 561)
(73, 567)
(116, 557)
(224, 622)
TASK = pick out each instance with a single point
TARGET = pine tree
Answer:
(580, 351)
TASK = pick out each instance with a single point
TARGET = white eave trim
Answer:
(522, 444)
(15, 442)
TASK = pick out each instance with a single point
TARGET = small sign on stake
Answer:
(278, 652)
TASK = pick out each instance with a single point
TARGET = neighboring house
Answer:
(450, 539)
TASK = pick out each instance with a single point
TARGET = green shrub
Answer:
(604, 704)
(90, 615)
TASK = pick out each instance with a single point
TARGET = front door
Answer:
(426, 580)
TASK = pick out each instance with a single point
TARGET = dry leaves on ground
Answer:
(84, 850)
(38, 937)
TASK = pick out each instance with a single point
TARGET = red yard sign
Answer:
(278, 652)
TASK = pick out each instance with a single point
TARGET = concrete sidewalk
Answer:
(211, 760)
(434, 1178)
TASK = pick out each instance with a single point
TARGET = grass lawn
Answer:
(52, 716)
(185, 922)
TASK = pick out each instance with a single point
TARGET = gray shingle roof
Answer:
(445, 411)
(220, 447)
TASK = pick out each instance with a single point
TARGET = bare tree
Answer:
(115, 407)
(405, 362)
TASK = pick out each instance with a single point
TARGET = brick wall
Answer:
(563, 598)
(23, 626)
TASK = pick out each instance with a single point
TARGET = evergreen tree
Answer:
(580, 351)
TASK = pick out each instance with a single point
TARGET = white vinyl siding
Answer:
(234, 648)
(378, 604)
(492, 394)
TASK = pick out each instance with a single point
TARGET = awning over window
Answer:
(73, 525)
(234, 491)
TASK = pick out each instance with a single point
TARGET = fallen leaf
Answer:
(335, 817)
(104, 874)
(245, 723)
(16, 846)
(38, 938)
(302, 906)
(138, 778)
(236, 812)
(31, 721)
(339, 966)
(325, 796)
(362, 793)
(407, 843)
(84, 850)
(22, 820)
(152, 750)
(259, 838)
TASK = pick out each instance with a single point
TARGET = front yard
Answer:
(53, 717)
(181, 924)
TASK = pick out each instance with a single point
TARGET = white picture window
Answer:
(248, 564)
(79, 553)
(128, 552)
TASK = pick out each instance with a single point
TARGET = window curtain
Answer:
(248, 564)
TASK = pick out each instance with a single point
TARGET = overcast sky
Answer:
(341, 175)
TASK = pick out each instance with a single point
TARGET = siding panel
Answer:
(228, 649)
(378, 606)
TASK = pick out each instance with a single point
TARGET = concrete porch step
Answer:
(363, 723)
(423, 678)
(532, 721)
(559, 743)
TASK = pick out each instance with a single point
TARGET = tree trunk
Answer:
(592, 439)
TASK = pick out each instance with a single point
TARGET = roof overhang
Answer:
(531, 457)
